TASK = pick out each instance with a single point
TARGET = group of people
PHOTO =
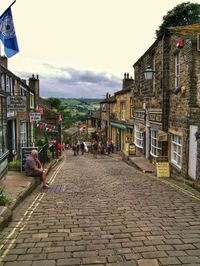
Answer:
(96, 147)
(79, 146)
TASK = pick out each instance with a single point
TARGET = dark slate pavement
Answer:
(104, 212)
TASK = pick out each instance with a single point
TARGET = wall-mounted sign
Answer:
(35, 117)
(16, 103)
(10, 114)
(162, 169)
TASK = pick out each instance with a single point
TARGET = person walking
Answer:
(101, 149)
(82, 148)
(95, 148)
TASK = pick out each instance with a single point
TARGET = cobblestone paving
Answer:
(103, 212)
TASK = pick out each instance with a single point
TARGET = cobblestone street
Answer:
(103, 211)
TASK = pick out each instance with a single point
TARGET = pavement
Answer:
(17, 186)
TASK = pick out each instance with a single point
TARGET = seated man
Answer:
(33, 167)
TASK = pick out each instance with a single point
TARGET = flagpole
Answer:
(8, 8)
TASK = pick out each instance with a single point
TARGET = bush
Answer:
(4, 199)
(14, 165)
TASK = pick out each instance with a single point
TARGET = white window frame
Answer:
(138, 137)
(31, 100)
(2, 81)
(23, 134)
(131, 107)
(7, 83)
(154, 77)
(123, 111)
(155, 144)
(177, 70)
(176, 150)
(22, 91)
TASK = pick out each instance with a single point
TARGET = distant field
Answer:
(78, 109)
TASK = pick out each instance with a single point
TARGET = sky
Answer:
(82, 48)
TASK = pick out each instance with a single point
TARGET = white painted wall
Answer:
(192, 153)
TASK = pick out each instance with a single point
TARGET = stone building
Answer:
(166, 107)
(50, 126)
(116, 115)
(184, 101)
(17, 101)
(151, 102)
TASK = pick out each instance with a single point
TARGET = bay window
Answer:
(176, 150)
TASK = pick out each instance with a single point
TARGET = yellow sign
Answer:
(162, 169)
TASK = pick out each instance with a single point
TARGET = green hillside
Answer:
(74, 110)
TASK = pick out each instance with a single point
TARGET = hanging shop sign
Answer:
(35, 117)
(16, 103)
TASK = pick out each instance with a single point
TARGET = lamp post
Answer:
(149, 73)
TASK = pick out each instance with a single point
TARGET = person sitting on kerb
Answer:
(33, 167)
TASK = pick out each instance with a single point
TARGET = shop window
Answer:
(155, 144)
(176, 150)
(139, 137)
(131, 107)
(23, 134)
(122, 111)
(31, 100)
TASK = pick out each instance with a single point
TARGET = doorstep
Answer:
(142, 164)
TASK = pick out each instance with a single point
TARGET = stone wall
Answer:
(184, 110)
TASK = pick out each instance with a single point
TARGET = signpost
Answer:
(162, 169)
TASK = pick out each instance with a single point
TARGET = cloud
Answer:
(71, 83)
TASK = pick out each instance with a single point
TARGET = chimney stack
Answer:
(34, 84)
(127, 82)
(4, 61)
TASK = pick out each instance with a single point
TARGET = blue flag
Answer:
(7, 33)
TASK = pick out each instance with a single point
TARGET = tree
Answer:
(182, 14)
(55, 102)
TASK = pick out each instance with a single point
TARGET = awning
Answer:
(118, 125)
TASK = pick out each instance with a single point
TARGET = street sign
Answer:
(162, 169)
(35, 117)
(16, 103)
